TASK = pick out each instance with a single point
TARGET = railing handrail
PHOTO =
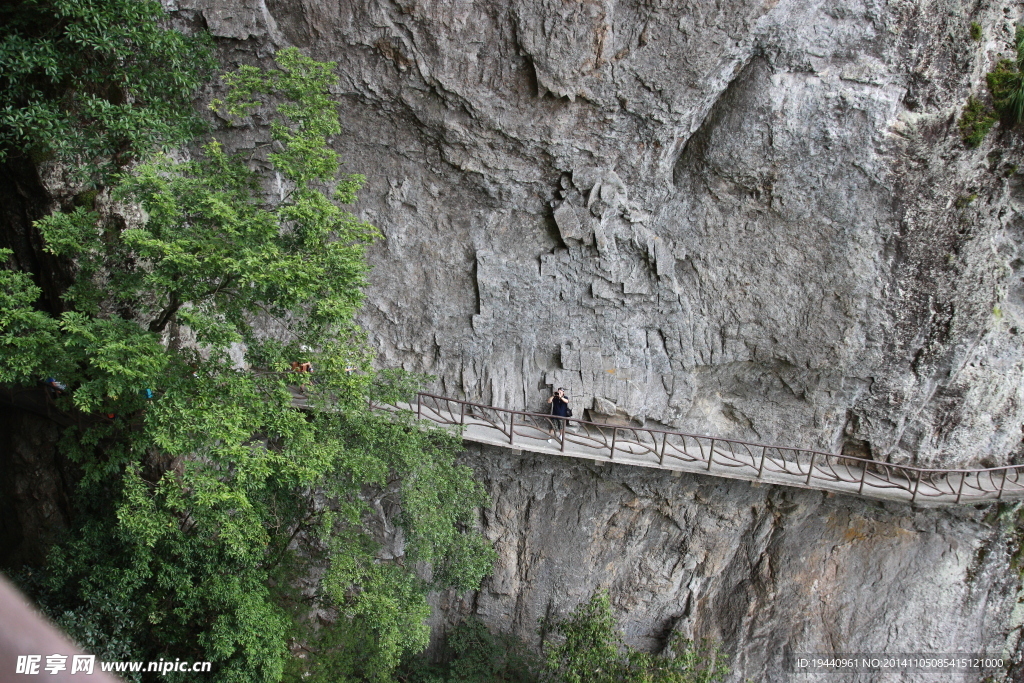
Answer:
(601, 425)
(738, 459)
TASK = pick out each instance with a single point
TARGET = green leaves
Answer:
(96, 82)
(193, 297)
(306, 115)
(590, 650)
(28, 338)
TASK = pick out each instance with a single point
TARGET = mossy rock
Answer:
(87, 199)
(976, 121)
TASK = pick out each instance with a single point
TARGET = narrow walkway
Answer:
(668, 450)
(717, 457)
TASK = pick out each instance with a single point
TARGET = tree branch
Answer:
(161, 321)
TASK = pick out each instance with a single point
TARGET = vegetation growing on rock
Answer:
(1006, 83)
(1006, 87)
(582, 647)
(976, 121)
(590, 650)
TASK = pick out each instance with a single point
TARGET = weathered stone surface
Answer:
(767, 571)
(752, 219)
(36, 484)
(756, 221)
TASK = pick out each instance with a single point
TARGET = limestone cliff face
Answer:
(753, 219)
(770, 572)
(749, 219)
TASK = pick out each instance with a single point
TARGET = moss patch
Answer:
(976, 121)
(975, 31)
(965, 200)
(87, 199)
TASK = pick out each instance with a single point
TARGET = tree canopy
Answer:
(213, 516)
(96, 83)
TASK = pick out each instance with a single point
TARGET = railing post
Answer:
(883, 472)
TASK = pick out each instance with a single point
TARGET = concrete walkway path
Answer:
(711, 456)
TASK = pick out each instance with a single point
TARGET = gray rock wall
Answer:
(748, 219)
(755, 219)
(767, 571)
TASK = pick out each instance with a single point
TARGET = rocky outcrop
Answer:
(769, 572)
(752, 219)
(756, 221)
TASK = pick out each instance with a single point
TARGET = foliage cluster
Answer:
(591, 651)
(97, 83)
(975, 31)
(583, 647)
(1006, 83)
(472, 654)
(203, 489)
(976, 121)
(1006, 88)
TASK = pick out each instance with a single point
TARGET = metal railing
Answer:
(717, 456)
(671, 450)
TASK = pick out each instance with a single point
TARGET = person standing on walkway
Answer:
(559, 409)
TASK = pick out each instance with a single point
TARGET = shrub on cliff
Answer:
(205, 493)
(1006, 87)
(1006, 83)
(470, 653)
(589, 649)
(583, 647)
(975, 122)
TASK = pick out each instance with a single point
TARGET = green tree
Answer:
(588, 649)
(95, 82)
(205, 493)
